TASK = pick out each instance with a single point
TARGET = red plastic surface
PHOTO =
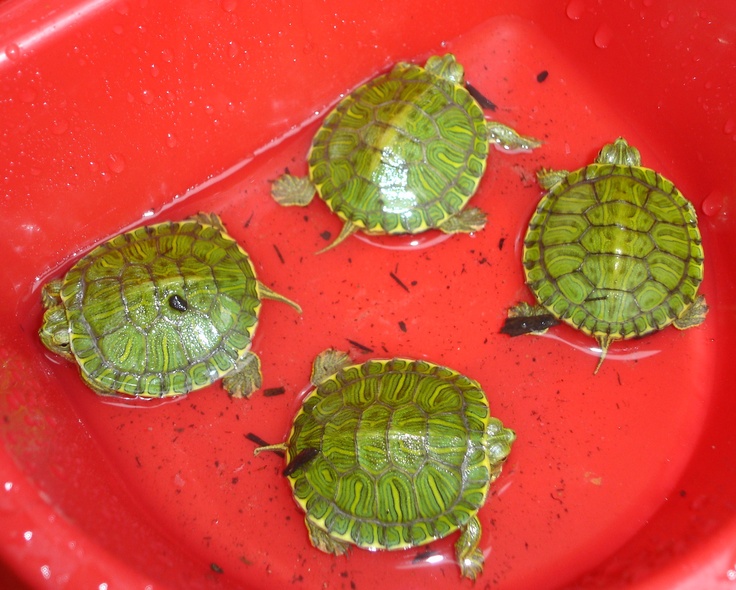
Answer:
(120, 113)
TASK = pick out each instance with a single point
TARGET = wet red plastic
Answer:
(116, 114)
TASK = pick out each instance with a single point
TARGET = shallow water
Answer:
(595, 454)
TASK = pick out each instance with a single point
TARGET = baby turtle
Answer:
(392, 454)
(402, 153)
(160, 311)
(613, 250)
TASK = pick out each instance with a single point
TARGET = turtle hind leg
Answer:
(469, 556)
(246, 378)
(328, 363)
(267, 293)
(322, 540)
(694, 315)
(466, 221)
(292, 191)
(509, 139)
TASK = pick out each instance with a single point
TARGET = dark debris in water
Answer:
(542, 76)
(399, 282)
(273, 391)
(301, 459)
(216, 568)
(359, 346)
(483, 100)
(517, 326)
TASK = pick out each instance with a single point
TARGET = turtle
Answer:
(614, 250)
(402, 153)
(392, 454)
(160, 311)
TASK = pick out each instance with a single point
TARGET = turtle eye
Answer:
(178, 303)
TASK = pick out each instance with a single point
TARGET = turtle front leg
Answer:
(246, 378)
(469, 556)
(323, 541)
(51, 293)
(466, 221)
(694, 315)
(507, 138)
(289, 190)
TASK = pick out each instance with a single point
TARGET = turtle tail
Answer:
(603, 342)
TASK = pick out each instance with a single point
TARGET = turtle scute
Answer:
(392, 454)
(160, 311)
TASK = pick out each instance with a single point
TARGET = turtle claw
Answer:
(292, 191)
(246, 378)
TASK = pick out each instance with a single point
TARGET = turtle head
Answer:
(619, 152)
(497, 444)
(447, 68)
(54, 332)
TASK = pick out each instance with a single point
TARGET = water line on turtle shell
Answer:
(595, 351)
(414, 242)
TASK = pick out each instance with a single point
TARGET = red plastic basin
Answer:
(118, 113)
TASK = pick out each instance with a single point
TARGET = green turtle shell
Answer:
(404, 453)
(402, 153)
(161, 310)
(615, 251)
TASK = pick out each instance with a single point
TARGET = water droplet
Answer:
(229, 5)
(12, 51)
(230, 107)
(116, 163)
(59, 126)
(603, 36)
(575, 9)
(233, 49)
(648, 3)
(729, 127)
(167, 55)
(147, 96)
(713, 203)
(171, 140)
(155, 71)
(93, 166)
(118, 29)
(123, 8)
(209, 109)
(27, 95)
